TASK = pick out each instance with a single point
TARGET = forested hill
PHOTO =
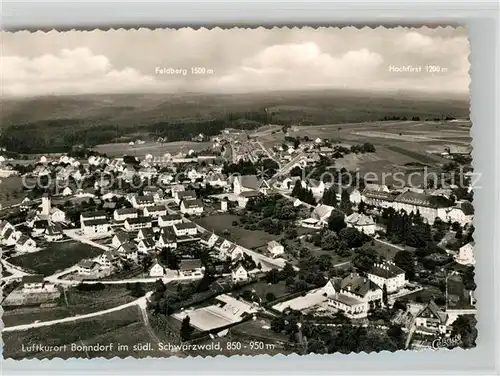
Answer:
(55, 124)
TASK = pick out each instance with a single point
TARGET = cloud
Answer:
(302, 65)
(68, 72)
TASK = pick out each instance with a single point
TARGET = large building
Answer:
(388, 274)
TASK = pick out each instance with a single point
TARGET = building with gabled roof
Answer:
(169, 220)
(134, 224)
(388, 274)
(361, 222)
(191, 268)
(431, 320)
(239, 273)
(191, 207)
(122, 214)
(249, 183)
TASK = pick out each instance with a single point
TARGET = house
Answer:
(208, 239)
(155, 211)
(4, 226)
(53, 233)
(462, 213)
(191, 268)
(216, 179)
(316, 186)
(128, 251)
(234, 252)
(10, 237)
(319, 216)
(354, 295)
(175, 189)
(57, 215)
(92, 216)
(249, 183)
(157, 270)
(122, 214)
(67, 192)
(275, 248)
(222, 244)
(120, 238)
(167, 239)
(223, 206)
(134, 224)
(169, 220)
(388, 274)
(191, 207)
(430, 207)
(186, 228)
(431, 320)
(39, 227)
(184, 195)
(146, 245)
(109, 259)
(88, 267)
(239, 274)
(466, 254)
(145, 233)
(25, 245)
(361, 222)
(95, 227)
(156, 192)
(35, 284)
(141, 202)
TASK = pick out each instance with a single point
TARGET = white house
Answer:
(191, 268)
(155, 211)
(95, 227)
(191, 207)
(141, 202)
(275, 248)
(129, 251)
(319, 216)
(186, 228)
(10, 237)
(361, 222)
(134, 224)
(145, 233)
(431, 320)
(462, 213)
(25, 245)
(35, 284)
(249, 183)
(146, 245)
(169, 220)
(67, 192)
(120, 215)
(57, 215)
(53, 233)
(88, 267)
(466, 254)
(167, 239)
(120, 238)
(175, 188)
(109, 259)
(317, 187)
(354, 295)
(92, 216)
(388, 274)
(4, 226)
(157, 270)
(239, 274)
(208, 239)
(184, 195)
(234, 252)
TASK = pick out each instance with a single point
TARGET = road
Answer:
(390, 244)
(16, 272)
(120, 281)
(141, 302)
(73, 234)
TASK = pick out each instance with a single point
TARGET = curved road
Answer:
(141, 302)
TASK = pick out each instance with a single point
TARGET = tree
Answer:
(297, 189)
(345, 203)
(288, 271)
(384, 295)
(329, 240)
(404, 259)
(336, 221)
(352, 237)
(273, 276)
(465, 327)
(270, 297)
(362, 207)
(186, 329)
(330, 196)
(137, 290)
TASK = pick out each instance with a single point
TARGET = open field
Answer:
(238, 234)
(386, 251)
(11, 191)
(56, 257)
(154, 148)
(78, 303)
(123, 327)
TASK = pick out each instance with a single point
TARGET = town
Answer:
(282, 236)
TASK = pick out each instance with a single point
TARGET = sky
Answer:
(234, 60)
